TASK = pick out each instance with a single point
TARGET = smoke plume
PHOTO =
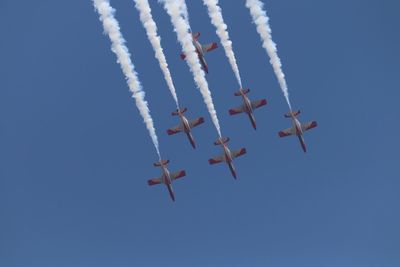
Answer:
(151, 30)
(214, 11)
(112, 29)
(174, 9)
(261, 19)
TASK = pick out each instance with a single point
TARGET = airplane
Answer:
(166, 177)
(228, 155)
(185, 125)
(247, 106)
(297, 128)
(201, 50)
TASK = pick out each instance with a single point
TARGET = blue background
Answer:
(75, 155)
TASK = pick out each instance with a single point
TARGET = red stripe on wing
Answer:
(263, 102)
(283, 134)
(179, 175)
(154, 181)
(171, 131)
(312, 125)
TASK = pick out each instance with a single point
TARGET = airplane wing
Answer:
(175, 130)
(196, 122)
(154, 181)
(209, 47)
(309, 125)
(287, 132)
(237, 110)
(258, 103)
(238, 153)
(177, 175)
(216, 160)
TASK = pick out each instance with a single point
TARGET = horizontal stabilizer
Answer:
(221, 140)
(290, 113)
(161, 163)
(179, 111)
(242, 91)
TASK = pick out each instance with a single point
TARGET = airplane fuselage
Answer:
(249, 110)
(200, 54)
(168, 181)
(166, 175)
(247, 104)
(197, 45)
(229, 160)
(227, 153)
(187, 129)
(185, 123)
(299, 132)
(297, 126)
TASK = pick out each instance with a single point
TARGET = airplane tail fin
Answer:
(161, 163)
(242, 91)
(176, 113)
(222, 140)
(290, 113)
(195, 35)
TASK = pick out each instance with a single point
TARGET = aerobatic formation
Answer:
(193, 52)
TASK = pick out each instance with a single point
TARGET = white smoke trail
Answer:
(184, 12)
(185, 38)
(261, 19)
(151, 30)
(111, 27)
(214, 11)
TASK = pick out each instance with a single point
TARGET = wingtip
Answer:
(264, 101)
(281, 134)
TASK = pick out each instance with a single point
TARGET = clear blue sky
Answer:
(75, 155)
